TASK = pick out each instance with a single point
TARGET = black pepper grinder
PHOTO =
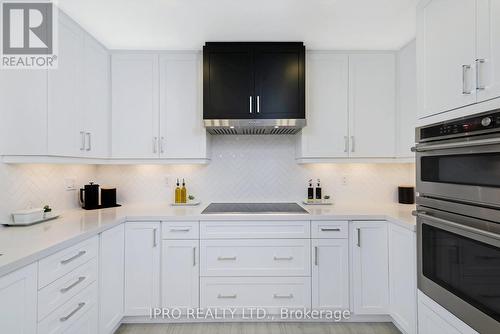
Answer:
(318, 190)
(310, 190)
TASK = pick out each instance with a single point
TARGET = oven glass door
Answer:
(467, 268)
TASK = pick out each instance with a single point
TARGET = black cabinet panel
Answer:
(270, 74)
(279, 79)
(228, 83)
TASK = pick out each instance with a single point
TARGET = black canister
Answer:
(108, 197)
(89, 196)
(406, 195)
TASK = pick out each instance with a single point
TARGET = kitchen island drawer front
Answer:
(271, 293)
(66, 287)
(180, 230)
(68, 314)
(330, 229)
(61, 263)
(274, 257)
(255, 229)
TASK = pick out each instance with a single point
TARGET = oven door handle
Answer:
(479, 142)
(423, 214)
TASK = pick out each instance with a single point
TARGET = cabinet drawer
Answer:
(255, 229)
(61, 263)
(180, 230)
(66, 287)
(69, 313)
(255, 257)
(330, 229)
(271, 293)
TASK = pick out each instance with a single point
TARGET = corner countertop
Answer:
(23, 245)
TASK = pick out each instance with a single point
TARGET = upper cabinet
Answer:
(157, 100)
(458, 54)
(135, 106)
(253, 80)
(351, 107)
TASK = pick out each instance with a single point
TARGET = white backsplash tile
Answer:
(243, 168)
(257, 168)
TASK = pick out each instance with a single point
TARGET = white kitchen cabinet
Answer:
(142, 267)
(372, 105)
(96, 99)
(111, 278)
(402, 277)
(23, 111)
(182, 133)
(18, 301)
(434, 319)
(180, 274)
(407, 100)
(326, 133)
(369, 267)
(330, 274)
(446, 37)
(66, 134)
(488, 49)
(135, 100)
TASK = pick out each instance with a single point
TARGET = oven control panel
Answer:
(462, 127)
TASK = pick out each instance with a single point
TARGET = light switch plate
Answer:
(69, 184)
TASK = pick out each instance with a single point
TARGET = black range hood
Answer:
(254, 87)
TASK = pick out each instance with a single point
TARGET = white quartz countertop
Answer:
(22, 245)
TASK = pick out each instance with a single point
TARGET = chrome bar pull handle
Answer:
(155, 243)
(479, 62)
(162, 148)
(326, 229)
(80, 280)
(258, 104)
(82, 137)
(194, 256)
(359, 238)
(89, 137)
(250, 104)
(465, 69)
(226, 296)
(155, 145)
(316, 255)
(81, 253)
(352, 144)
(346, 144)
(66, 318)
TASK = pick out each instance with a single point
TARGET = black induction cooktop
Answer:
(254, 208)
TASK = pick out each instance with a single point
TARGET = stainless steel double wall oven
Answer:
(458, 217)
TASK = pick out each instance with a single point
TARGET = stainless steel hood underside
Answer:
(254, 126)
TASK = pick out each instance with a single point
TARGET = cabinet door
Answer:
(326, 132)
(183, 135)
(446, 35)
(111, 273)
(135, 102)
(180, 274)
(23, 111)
(330, 274)
(65, 104)
(142, 268)
(279, 82)
(370, 267)
(402, 277)
(488, 49)
(228, 81)
(372, 105)
(18, 301)
(96, 103)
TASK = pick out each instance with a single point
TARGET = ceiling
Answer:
(187, 24)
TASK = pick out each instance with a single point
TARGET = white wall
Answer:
(257, 168)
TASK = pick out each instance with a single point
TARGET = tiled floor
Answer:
(261, 328)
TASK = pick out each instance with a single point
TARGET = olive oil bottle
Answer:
(178, 198)
(183, 192)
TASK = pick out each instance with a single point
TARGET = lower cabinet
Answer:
(18, 301)
(330, 274)
(403, 277)
(111, 273)
(370, 267)
(180, 274)
(434, 319)
(142, 268)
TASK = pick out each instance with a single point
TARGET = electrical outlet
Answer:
(344, 180)
(166, 180)
(69, 184)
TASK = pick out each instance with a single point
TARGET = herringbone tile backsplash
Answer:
(243, 168)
